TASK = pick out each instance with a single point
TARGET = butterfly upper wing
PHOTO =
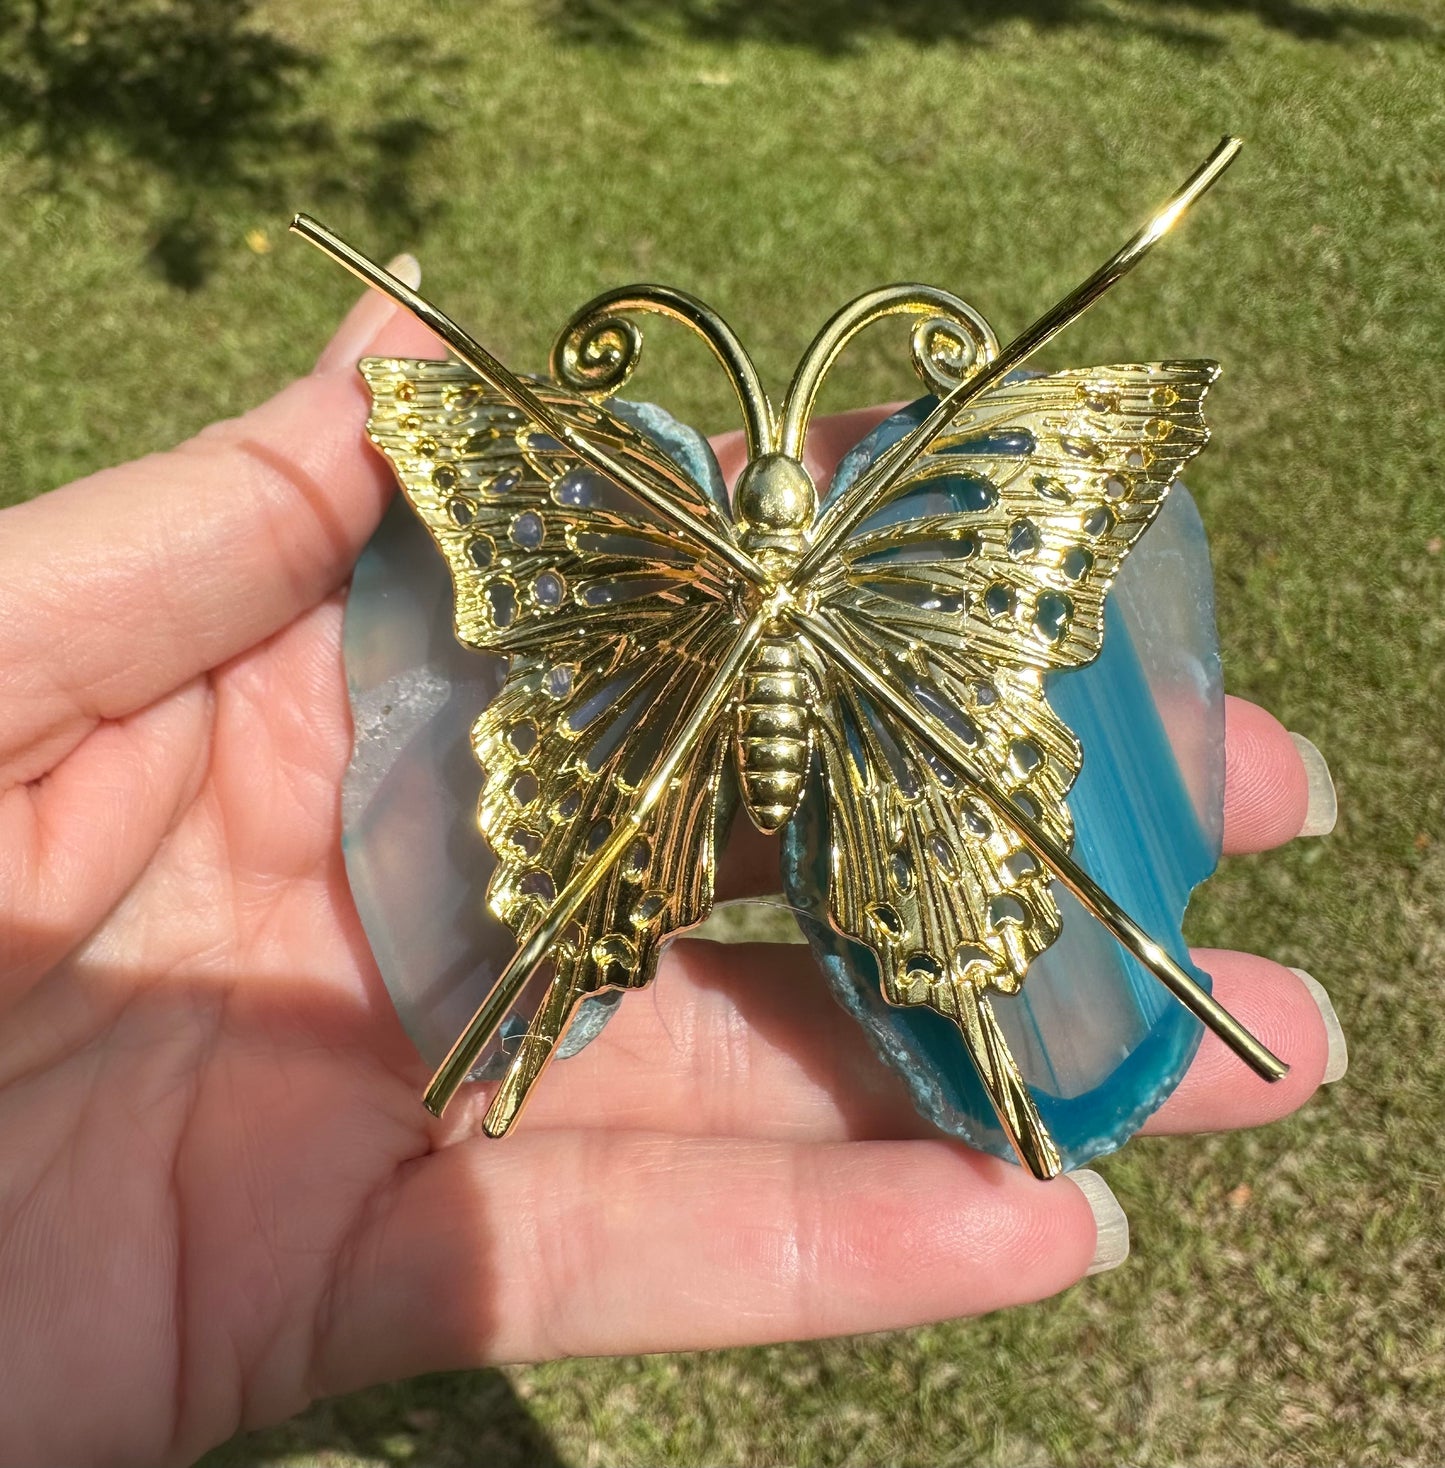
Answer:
(613, 623)
(986, 569)
(534, 538)
(1009, 531)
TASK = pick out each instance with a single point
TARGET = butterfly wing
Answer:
(987, 569)
(613, 623)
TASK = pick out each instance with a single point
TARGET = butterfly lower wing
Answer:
(613, 622)
(949, 899)
(985, 570)
(562, 770)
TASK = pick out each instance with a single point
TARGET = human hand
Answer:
(220, 1195)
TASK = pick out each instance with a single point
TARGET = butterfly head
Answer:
(775, 504)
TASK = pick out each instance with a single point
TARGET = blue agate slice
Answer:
(415, 858)
(1099, 1041)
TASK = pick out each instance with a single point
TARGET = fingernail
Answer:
(1111, 1241)
(1337, 1057)
(407, 269)
(1323, 808)
(365, 320)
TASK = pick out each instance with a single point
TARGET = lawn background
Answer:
(1284, 1300)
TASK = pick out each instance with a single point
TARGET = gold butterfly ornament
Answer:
(877, 674)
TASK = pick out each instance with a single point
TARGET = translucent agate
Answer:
(1099, 1041)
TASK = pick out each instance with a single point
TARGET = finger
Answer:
(748, 1041)
(123, 586)
(585, 1243)
(1291, 1013)
(1276, 784)
(736, 1040)
(748, 865)
(113, 799)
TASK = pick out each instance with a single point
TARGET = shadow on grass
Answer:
(212, 106)
(446, 1421)
(838, 27)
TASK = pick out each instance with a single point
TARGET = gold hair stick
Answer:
(872, 487)
(516, 391)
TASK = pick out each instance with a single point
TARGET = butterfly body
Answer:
(774, 732)
(775, 503)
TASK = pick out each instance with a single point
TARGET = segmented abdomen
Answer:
(774, 733)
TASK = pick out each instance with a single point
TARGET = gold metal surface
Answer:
(662, 653)
(598, 349)
(568, 575)
(591, 872)
(872, 488)
(950, 343)
(660, 490)
(1061, 865)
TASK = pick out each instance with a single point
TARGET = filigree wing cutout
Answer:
(1008, 532)
(537, 542)
(922, 870)
(950, 900)
(614, 624)
(988, 568)
(564, 760)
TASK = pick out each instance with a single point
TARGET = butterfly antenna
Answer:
(871, 488)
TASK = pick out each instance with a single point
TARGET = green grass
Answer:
(1284, 1302)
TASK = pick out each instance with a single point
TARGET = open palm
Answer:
(220, 1196)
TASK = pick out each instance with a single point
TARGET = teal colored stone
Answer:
(1100, 1043)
